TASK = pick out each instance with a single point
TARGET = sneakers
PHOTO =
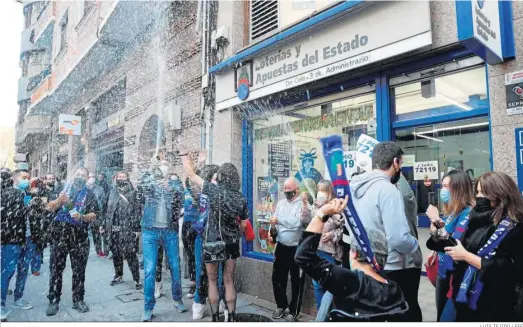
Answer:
(291, 318)
(147, 316)
(80, 307)
(116, 280)
(198, 311)
(5, 313)
(36, 273)
(191, 292)
(110, 256)
(141, 264)
(137, 286)
(221, 308)
(158, 290)
(279, 313)
(22, 304)
(101, 254)
(179, 306)
(52, 309)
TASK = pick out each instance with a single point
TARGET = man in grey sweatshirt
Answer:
(290, 217)
(380, 205)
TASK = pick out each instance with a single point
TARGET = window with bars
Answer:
(264, 17)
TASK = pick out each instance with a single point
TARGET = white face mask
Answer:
(321, 198)
(91, 181)
(164, 169)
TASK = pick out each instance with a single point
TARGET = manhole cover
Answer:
(130, 297)
(249, 317)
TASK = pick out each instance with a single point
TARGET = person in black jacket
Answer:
(38, 224)
(13, 229)
(75, 209)
(498, 198)
(360, 292)
(122, 223)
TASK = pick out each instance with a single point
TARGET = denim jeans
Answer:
(318, 289)
(26, 259)
(10, 255)
(152, 238)
(32, 257)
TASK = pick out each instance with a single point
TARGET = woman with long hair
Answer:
(227, 204)
(490, 257)
(330, 247)
(458, 199)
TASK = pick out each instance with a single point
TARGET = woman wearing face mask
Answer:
(490, 253)
(330, 247)
(457, 198)
(123, 224)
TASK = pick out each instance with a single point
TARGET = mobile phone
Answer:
(450, 241)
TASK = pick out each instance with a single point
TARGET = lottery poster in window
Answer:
(267, 198)
(365, 148)
(280, 159)
(426, 170)
(349, 162)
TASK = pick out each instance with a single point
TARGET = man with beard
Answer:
(76, 207)
(123, 224)
(380, 206)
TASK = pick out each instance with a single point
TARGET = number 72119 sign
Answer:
(424, 170)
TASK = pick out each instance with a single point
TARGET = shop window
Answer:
(449, 93)
(463, 144)
(286, 144)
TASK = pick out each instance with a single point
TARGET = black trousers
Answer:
(408, 280)
(188, 239)
(123, 251)
(78, 251)
(283, 265)
(159, 264)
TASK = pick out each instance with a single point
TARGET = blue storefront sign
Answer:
(485, 28)
(519, 157)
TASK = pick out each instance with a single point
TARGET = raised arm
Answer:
(189, 169)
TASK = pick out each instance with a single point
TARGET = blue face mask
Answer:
(444, 195)
(23, 184)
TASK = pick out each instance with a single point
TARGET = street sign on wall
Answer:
(70, 125)
(514, 92)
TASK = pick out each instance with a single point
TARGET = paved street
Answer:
(123, 303)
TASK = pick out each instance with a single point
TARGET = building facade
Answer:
(440, 78)
(131, 70)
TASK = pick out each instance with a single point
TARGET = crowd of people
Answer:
(370, 273)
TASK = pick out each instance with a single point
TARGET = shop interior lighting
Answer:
(452, 128)
(454, 102)
(428, 137)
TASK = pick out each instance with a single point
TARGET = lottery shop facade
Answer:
(414, 82)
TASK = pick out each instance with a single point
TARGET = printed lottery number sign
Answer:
(365, 146)
(425, 170)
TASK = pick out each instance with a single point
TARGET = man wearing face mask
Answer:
(102, 249)
(13, 229)
(75, 209)
(380, 205)
(290, 219)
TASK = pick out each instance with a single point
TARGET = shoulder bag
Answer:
(214, 252)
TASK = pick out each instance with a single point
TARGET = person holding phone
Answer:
(458, 199)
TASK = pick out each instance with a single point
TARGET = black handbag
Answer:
(214, 252)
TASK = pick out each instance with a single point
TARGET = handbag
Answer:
(249, 231)
(214, 252)
(431, 266)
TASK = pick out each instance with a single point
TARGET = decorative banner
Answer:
(514, 92)
(408, 160)
(349, 162)
(70, 125)
(424, 170)
(365, 148)
(280, 159)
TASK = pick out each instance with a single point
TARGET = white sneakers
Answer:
(158, 290)
(223, 310)
(198, 311)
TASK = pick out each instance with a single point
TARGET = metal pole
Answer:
(70, 158)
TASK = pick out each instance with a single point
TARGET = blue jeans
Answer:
(32, 258)
(152, 238)
(318, 289)
(10, 255)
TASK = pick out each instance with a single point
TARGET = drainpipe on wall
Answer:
(202, 9)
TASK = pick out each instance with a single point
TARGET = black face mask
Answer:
(394, 179)
(482, 205)
(121, 183)
(290, 195)
(50, 184)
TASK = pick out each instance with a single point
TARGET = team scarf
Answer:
(79, 205)
(333, 154)
(203, 214)
(455, 227)
(471, 287)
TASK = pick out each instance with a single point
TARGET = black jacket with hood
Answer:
(13, 216)
(123, 212)
(353, 291)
